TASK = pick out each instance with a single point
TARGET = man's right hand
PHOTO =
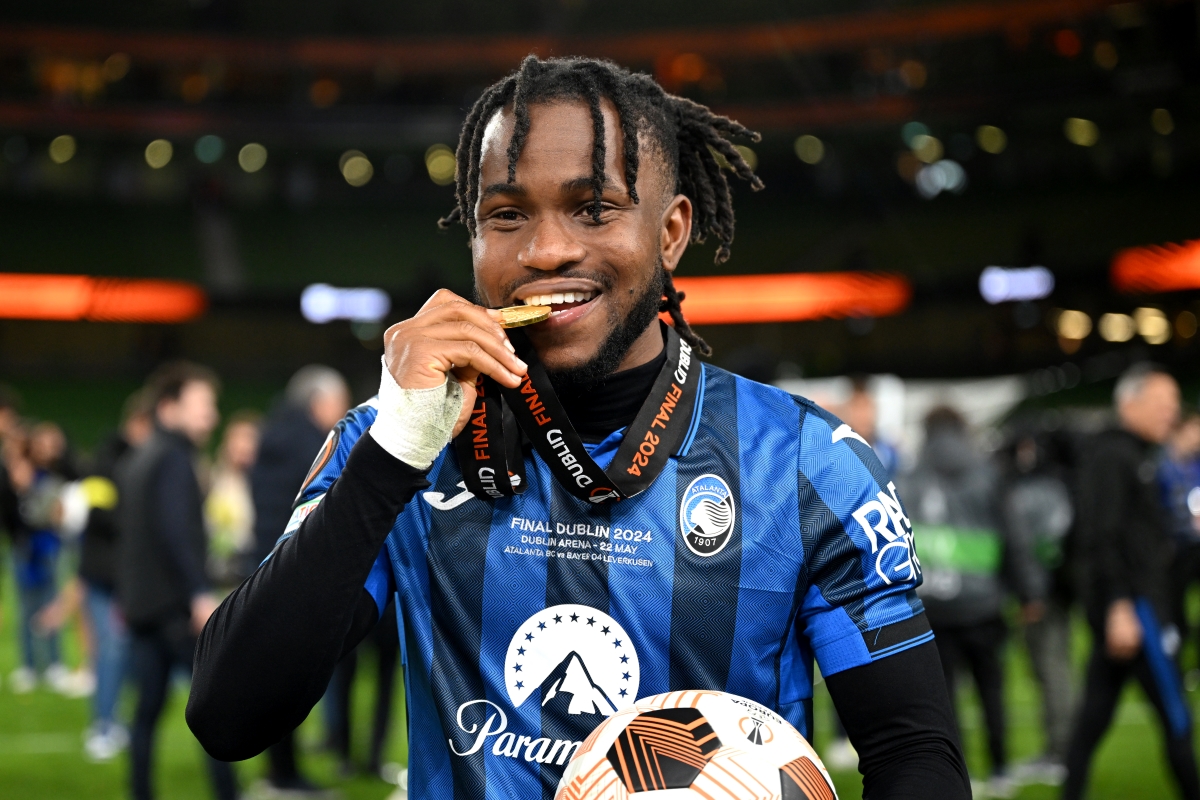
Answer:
(451, 339)
(1122, 631)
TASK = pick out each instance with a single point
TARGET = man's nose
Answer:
(551, 247)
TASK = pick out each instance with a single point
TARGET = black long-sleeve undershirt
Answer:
(266, 656)
(899, 718)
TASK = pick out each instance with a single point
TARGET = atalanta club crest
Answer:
(706, 515)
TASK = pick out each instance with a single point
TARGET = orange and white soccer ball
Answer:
(684, 745)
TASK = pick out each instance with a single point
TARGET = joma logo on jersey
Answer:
(442, 503)
(706, 515)
(884, 519)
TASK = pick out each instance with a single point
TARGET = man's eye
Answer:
(507, 216)
(605, 208)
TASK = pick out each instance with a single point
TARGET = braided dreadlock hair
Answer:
(692, 141)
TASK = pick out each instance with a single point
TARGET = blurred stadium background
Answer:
(236, 153)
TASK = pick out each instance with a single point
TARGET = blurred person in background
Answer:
(88, 531)
(954, 500)
(1039, 513)
(105, 736)
(315, 400)
(229, 507)
(1123, 569)
(1179, 480)
(861, 413)
(38, 468)
(161, 555)
(10, 421)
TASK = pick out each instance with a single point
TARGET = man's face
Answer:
(194, 414)
(1152, 413)
(536, 237)
(240, 445)
(327, 408)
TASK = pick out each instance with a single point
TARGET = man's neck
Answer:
(645, 348)
(613, 403)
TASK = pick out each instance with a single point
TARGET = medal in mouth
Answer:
(520, 316)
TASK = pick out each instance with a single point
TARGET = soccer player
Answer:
(627, 522)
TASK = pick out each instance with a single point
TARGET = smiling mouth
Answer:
(560, 301)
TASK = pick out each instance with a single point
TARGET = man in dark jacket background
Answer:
(1123, 573)
(105, 737)
(315, 400)
(954, 500)
(161, 582)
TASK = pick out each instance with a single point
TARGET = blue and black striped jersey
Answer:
(771, 538)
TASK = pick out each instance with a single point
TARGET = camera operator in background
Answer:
(315, 400)
(161, 581)
(1123, 568)
(1039, 513)
(954, 500)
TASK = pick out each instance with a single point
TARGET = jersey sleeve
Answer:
(860, 602)
(325, 469)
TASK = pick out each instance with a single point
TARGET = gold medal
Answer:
(520, 316)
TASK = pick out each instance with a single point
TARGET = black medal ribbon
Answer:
(480, 446)
(489, 447)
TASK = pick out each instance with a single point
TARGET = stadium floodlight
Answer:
(1157, 268)
(1001, 284)
(792, 297)
(321, 303)
(97, 299)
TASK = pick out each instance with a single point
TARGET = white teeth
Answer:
(558, 298)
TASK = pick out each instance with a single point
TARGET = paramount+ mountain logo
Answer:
(580, 658)
(706, 515)
(577, 662)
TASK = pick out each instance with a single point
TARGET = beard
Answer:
(626, 328)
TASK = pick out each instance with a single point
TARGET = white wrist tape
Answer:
(415, 425)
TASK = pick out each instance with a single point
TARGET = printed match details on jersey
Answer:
(578, 541)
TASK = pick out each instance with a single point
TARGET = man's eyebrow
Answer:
(512, 189)
(585, 183)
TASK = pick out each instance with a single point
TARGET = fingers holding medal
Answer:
(451, 336)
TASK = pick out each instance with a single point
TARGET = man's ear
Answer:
(675, 231)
